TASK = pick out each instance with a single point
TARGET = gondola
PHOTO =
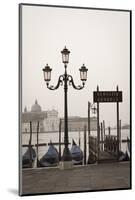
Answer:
(51, 158)
(77, 154)
(125, 156)
(29, 157)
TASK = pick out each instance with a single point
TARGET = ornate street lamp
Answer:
(65, 80)
(47, 73)
(65, 55)
(83, 73)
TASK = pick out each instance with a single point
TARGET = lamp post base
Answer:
(66, 155)
(66, 165)
(66, 162)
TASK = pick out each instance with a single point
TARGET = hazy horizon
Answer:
(98, 38)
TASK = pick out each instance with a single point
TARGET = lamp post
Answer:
(65, 80)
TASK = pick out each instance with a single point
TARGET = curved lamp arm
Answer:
(60, 82)
(71, 82)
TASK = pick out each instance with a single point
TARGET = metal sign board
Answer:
(107, 96)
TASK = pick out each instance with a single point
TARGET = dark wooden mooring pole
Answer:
(118, 136)
(89, 125)
(85, 147)
(60, 140)
(104, 133)
(79, 142)
(109, 138)
(109, 131)
(104, 128)
(98, 131)
(101, 136)
(30, 147)
(37, 141)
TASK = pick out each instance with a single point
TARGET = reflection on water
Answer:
(54, 137)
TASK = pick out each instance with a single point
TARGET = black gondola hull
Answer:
(77, 154)
(50, 159)
(28, 158)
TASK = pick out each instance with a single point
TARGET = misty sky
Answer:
(99, 39)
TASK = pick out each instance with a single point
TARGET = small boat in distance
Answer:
(51, 158)
(77, 154)
(29, 157)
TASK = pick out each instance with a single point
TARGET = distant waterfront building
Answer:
(51, 123)
(77, 123)
(49, 120)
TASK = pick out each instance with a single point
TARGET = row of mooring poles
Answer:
(103, 134)
(101, 137)
(79, 142)
(102, 141)
(118, 125)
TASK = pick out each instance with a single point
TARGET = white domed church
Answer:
(48, 120)
(36, 107)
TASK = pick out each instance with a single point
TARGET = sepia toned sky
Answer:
(98, 38)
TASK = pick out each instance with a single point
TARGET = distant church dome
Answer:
(36, 107)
